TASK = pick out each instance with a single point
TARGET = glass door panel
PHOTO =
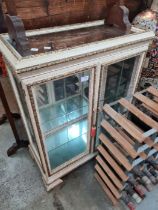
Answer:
(43, 96)
(118, 80)
(64, 122)
(115, 84)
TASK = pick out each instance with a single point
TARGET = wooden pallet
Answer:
(123, 143)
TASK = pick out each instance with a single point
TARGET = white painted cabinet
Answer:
(61, 94)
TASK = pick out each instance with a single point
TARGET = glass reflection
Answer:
(63, 109)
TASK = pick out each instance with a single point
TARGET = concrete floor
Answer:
(21, 186)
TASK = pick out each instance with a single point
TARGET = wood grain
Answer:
(115, 152)
(153, 113)
(148, 102)
(113, 163)
(126, 136)
(36, 14)
(108, 182)
(124, 123)
(153, 91)
(106, 190)
(143, 155)
(119, 138)
(110, 173)
(139, 114)
(73, 38)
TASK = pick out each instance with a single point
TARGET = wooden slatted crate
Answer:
(123, 142)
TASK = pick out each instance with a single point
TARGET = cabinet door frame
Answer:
(30, 100)
(136, 74)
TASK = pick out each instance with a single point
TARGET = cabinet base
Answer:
(54, 180)
(53, 185)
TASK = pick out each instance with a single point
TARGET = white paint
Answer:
(21, 64)
(34, 49)
(47, 48)
(64, 28)
(94, 57)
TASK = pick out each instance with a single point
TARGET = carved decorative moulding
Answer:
(69, 69)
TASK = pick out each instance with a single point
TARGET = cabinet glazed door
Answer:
(117, 81)
(64, 110)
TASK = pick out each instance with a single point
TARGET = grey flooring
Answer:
(21, 186)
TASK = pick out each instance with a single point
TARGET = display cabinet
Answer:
(62, 81)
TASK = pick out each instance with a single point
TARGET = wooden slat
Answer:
(116, 153)
(139, 114)
(124, 123)
(126, 136)
(119, 138)
(110, 185)
(148, 102)
(149, 142)
(113, 163)
(153, 91)
(155, 99)
(121, 149)
(106, 190)
(143, 155)
(156, 146)
(155, 114)
(110, 173)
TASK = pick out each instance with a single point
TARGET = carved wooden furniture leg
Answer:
(19, 143)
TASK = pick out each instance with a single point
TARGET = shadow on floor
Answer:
(21, 186)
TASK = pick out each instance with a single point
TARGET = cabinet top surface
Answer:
(60, 44)
(69, 36)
